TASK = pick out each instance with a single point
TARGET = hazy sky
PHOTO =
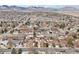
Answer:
(39, 2)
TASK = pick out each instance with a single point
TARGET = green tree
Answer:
(5, 30)
(77, 30)
(70, 42)
(34, 33)
(28, 23)
(53, 45)
(62, 25)
(13, 51)
(20, 51)
(2, 31)
(77, 35)
(60, 46)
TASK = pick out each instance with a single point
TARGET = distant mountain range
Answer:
(69, 9)
(38, 9)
